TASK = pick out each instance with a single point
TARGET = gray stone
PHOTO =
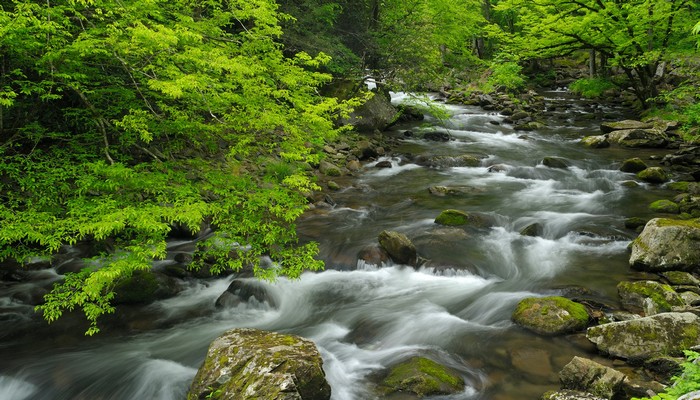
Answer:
(643, 338)
(555, 162)
(376, 113)
(589, 376)
(650, 297)
(638, 138)
(595, 142)
(607, 127)
(399, 247)
(666, 245)
(249, 364)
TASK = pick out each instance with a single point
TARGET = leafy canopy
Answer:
(121, 118)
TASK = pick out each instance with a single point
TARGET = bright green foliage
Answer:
(121, 118)
(591, 88)
(635, 36)
(688, 381)
(505, 75)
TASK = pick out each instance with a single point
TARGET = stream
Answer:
(455, 309)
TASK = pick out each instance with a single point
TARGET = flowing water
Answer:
(455, 309)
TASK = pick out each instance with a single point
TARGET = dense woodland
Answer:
(121, 120)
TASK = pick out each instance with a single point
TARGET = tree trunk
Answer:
(591, 64)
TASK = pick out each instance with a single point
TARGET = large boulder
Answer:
(550, 315)
(422, 377)
(607, 127)
(589, 376)
(399, 247)
(249, 364)
(667, 244)
(376, 113)
(637, 138)
(650, 297)
(633, 165)
(642, 338)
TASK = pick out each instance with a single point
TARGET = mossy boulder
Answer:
(399, 247)
(422, 377)
(633, 165)
(550, 315)
(250, 364)
(589, 376)
(666, 245)
(595, 142)
(649, 296)
(329, 169)
(453, 218)
(638, 138)
(664, 206)
(642, 338)
(653, 175)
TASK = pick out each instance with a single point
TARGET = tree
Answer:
(634, 36)
(121, 119)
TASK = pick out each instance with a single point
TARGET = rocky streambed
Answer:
(484, 256)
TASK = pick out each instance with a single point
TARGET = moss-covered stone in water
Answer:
(653, 175)
(679, 186)
(633, 165)
(634, 296)
(664, 206)
(423, 377)
(452, 218)
(550, 315)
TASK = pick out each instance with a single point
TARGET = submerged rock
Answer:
(442, 191)
(643, 338)
(550, 315)
(399, 247)
(667, 244)
(589, 376)
(243, 291)
(422, 377)
(570, 395)
(555, 162)
(249, 364)
(534, 229)
(458, 218)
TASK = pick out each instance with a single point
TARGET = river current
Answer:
(455, 309)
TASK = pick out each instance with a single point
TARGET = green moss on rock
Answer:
(550, 315)
(635, 296)
(679, 186)
(423, 377)
(633, 165)
(653, 175)
(664, 206)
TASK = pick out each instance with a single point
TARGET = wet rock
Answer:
(664, 367)
(465, 160)
(437, 136)
(243, 291)
(442, 191)
(589, 376)
(595, 142)
(333, 185)
(653, 175)
(666, 245)
(680, 278)
(570, 395)
(383, 164)
(664, 206)
(643, 338)
(399, 247)
(353, 165)
(607, 127)
(555, 162)
(365, 150)
(535, 229)
(409, 113)
(529, 126)
(531, 361)
(650, 297)
(422, 377)
(550, 315)
(458, 218)
(519, 115)
(249, 364)
(374, 255)
(633, 165)
(498, 168)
